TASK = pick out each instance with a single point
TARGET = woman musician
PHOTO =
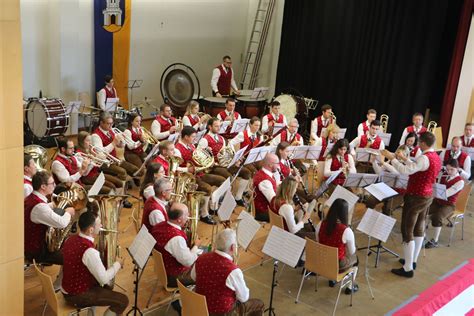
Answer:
(411, 142)
(339, 160)
(154, 171)
(134, 152)
(191, 117)
(328, 136)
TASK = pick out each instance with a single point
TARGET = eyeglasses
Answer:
(51, 183)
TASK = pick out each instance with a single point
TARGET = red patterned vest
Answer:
(285, 170)
(109, 94)
(106, 140)
(163, 232)
(324, 145)
(223, 115)
(319, 120)
(224, 81)
(333, 240)
(70, 165)
(165, 125)
(365, 127)
(414, 151)
(162, 161)
(421, 182)
(285, 137)
(364, 141)
(77, 278)
(248, 141)
(152, 204)
(186, 153)
(34, 233)
(193, 120)
(212, 271)
(95, 171)
(279, 120)
(471, 143)
(461, 158)
(215, 145)
(261, 203)
(411, 129)
(453, 198)
(136, 137)
(335, 166)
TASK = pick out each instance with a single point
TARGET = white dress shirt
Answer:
(148, 192)
(101, 96)
(327, 166)
(156, 129)
(239, 138)
(63, 175)
(156, 216)
(27, 188)
(128, 134)
(43, 213)
(385, 167)
(456, 187)
(91, 259)
(203, 144)
(97, 141)
(216, 73)
(288, 213)
(418, 152)
(266, 186)
(235, 280)
(360, 128)
(410, 167)
(178, 248)
(289, 137)
(405, 134)
(314, 126)
(228, 113)
(347, 238)
(265, 126)
(198, 126)
(356, 142)
(464, 170)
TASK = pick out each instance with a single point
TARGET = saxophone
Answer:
(75, 197)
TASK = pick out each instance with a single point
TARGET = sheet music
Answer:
(360, 179)
(277, 127)
(259, 92)
(257, 154)
(439, 191)
(141, 247)
(385, 137)
(227, 206)
(284, 246)
(237, 156)
(239, 125)
(219, 192)
(376, 225)
(97, 186)
(247, 229)
(111, 104)
(173, 137)
(342, 193)
(364, 154)
(333, 177)
(199, 135)
(224, 126)
(380, 191)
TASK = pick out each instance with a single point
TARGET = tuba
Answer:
(225, 156)
(432, 126)
(174, 163)
(384, 122)
(39, 155)
(194, 201)
(186, 182)
(203, 159)
(75, 197)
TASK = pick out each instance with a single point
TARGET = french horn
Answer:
(39, 155)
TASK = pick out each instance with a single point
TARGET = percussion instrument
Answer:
(252, 106)
(46, 117)
(245, 93)
(214, 105)
(292, 106)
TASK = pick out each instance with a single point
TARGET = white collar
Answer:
(160, 201)
(185, 145)
(428, 150)
(449, 178)
(174, 225)
(212, 134)
(26, 177)
(224, 67)
(456, 153)
(268, 172)
(367, 123)
(225, 255)
(41, 196)
(104, 131)
(64, 156)
(86, 237)
(417, 128)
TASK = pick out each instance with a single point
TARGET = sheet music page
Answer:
(342, 193)
(227, 206)
(313, 152)
(246, 229)
(342, 133)
(239, 125)
(97, 186)
(439, 191)
(224, 126)
(141, 247)
(380, 191)
(199, 135)
(383, 227)
(368, 221)
(333, 177)
(238, 155)
(284, 246)
(111, 104)
(257, 154)
(353, 180)
(299, 152)
(385, 137)
(73, 107)
(173, 137)
(277, 127)
(219, 192)
(368, 178)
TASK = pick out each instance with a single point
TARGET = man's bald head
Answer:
(178, 214)
(271, 162)
(456, 144)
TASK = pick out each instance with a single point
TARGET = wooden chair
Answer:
(55, 300)
(460, 208)
(192, 303)
(275, 219)
(323, 261)
(162, 278)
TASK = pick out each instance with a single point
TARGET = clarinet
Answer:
(296, 200)
(302, 184)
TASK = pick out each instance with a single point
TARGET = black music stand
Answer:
(133, 84)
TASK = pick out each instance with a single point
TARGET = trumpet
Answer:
(204, 116)
(148, 138)
(126, 139)
(97, 151)
(95, 160)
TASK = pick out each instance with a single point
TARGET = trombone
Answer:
(95, 159)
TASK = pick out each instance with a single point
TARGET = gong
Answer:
(178, 84)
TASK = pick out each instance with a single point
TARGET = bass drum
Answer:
(46, 117)
(292, 106)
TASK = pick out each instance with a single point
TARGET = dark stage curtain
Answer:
(391, 55)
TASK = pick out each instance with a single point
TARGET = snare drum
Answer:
(292, 106)
(214, 105)
(251, 106)
(46, 117)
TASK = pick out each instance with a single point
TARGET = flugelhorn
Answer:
(384, 122)
(124, 137)
(95, 159)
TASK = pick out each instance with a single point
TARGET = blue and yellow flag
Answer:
(112, 19)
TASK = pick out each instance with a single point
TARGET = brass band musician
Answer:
(192, 118)
(269, 120)
(364, 127)
(154, 171)
(156, 207)
(134, 152)
(164, 124)
(417, 127)
(265, 186)
(322, 121)
(29, 170)
(222, 81)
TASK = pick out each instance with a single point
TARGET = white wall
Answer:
(465, 88)
(58, 43)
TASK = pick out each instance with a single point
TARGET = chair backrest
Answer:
(48, 289)
(463, 197)
(276, 220)
(192, 303)
(438, 132)
(321, 259)
(320, 173)
(160, 269)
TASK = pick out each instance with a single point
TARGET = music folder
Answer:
(111, 104)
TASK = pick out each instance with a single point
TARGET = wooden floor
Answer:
(390, 291)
